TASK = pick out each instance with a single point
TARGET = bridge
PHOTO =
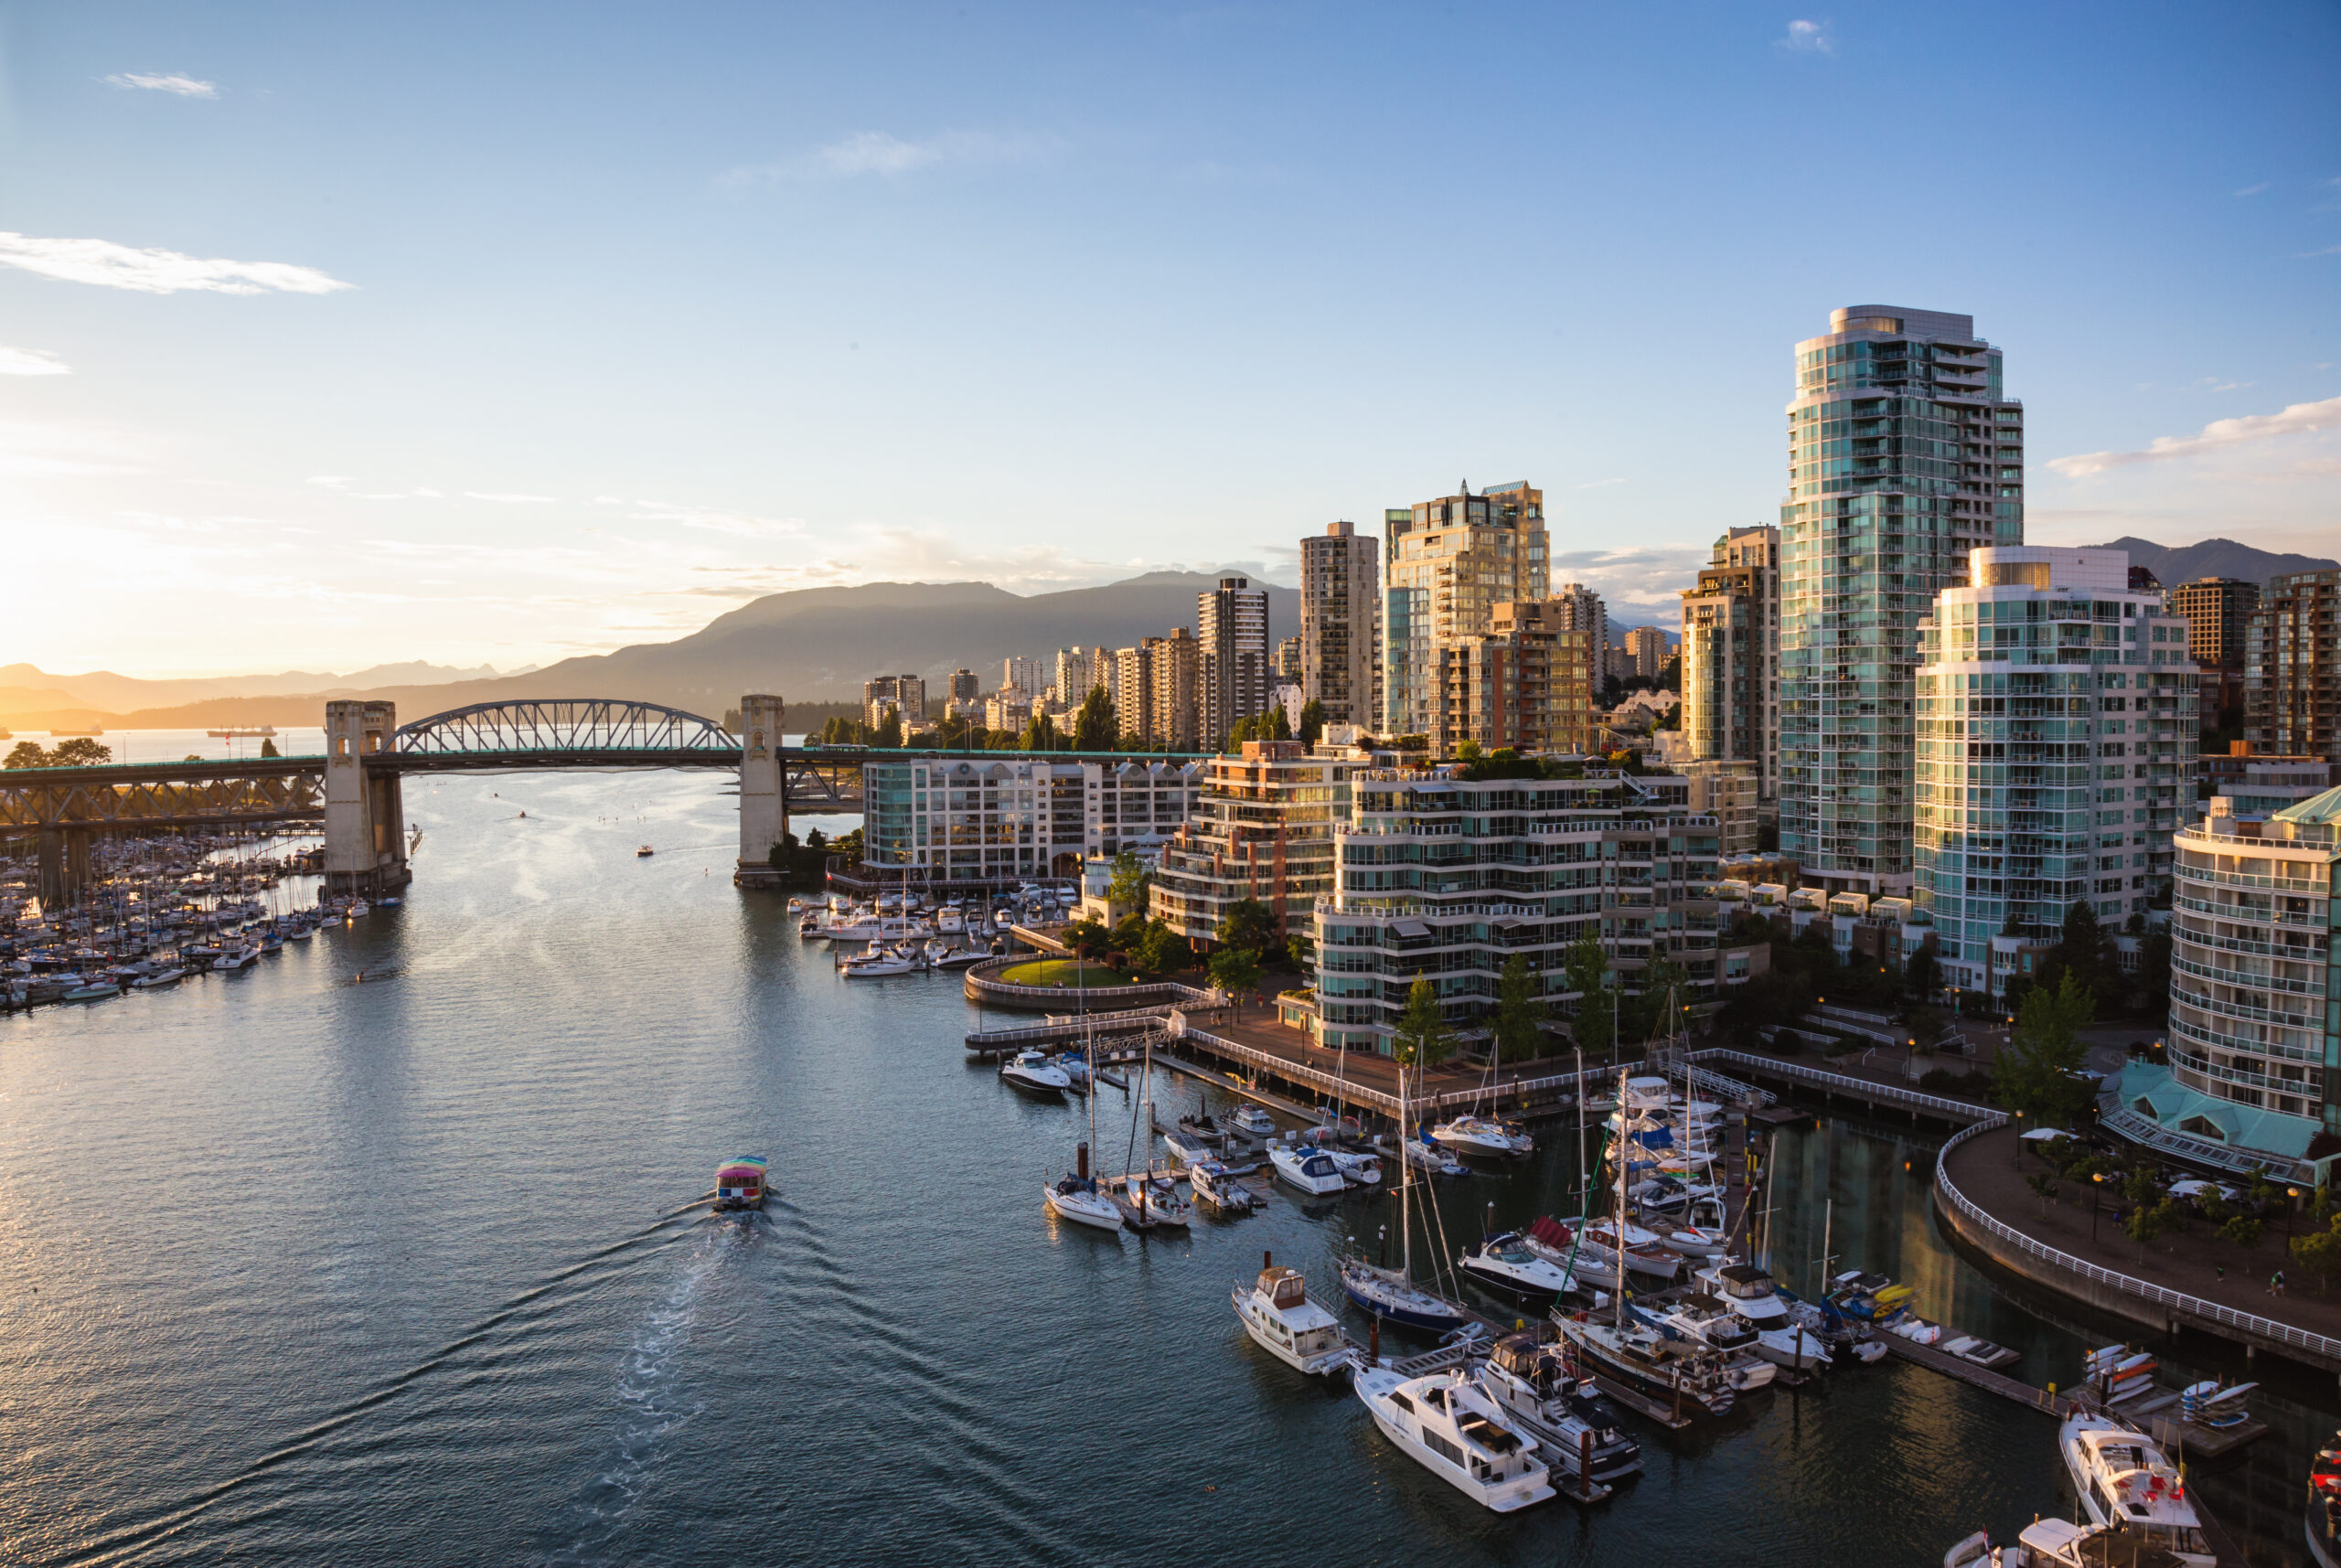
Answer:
(351, 792)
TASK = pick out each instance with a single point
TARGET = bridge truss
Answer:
(177, 795)
(491, 734)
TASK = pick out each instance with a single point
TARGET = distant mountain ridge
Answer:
(2213, 558)
(103, 689)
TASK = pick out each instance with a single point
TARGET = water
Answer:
(298, 1270)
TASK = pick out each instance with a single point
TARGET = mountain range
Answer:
(2212, 557)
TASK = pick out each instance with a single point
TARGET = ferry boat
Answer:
(1284, 1322)
(740, 1183)
(2124, 1480)
(1450, 1426)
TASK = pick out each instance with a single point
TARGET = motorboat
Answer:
(2123, 1478)
(810, 927)
(1001, 919)
(1447, 1425)
(1530, 1377)
(740, 1183)
(1747, 1290)
(1484, 1138)
(1392, 1297)
(94, 991)
(1284, 1322)
(1186, 1148)
(1822, 1320)
(1609, 1242)
(1637, 1352)
(961, 958)
(2061, 1543)
(1556, 1244)
(643, 852)
(243, 956)
(1214, 1184)
(1359, 1166)
(1872, 1297)
(1076, 1070)
(878, 965)
(1309, 1167)
(878, 928)
(950, 920)
(1504, 1262)
(1032, 1072)
(1203, 1130)
(1149, 1201)
(1253, 1122)
(158, 979)
(358, 909)
(1709, 1322)
(1423, 1155)
(1701, 1234)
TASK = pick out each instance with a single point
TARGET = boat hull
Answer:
(1074, 1212)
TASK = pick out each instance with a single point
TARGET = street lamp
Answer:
(2291, 1201)
(2096, 1180)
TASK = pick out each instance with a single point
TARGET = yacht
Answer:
(961, 958)
(2124, 1480)
(242, 956)
(1747, 1290)
(1030, 1073)
(1532, 1380)
(1446, 1423)
(1309, 1167)
(1425, 1154)
(1253, 1122)
(950, 920)
(158, 979)
(1077, 1198)
(878, 965)
(1151, 1202)
(1708, 1321)
(1640, 1354)
(2060, 1544)
(878, 928)
(1486, 1138)
(1505, 1263)
(94, 991)
(1214, 1184)
(740, 1183)
(1186, 1148)
(357, 910)
(1284, 1322)
(1391, 1296)
(1359, 1166)
(1605, 1241)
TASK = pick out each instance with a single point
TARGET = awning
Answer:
(1408, 928)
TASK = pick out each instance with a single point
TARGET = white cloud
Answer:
(509, 498)
(742, 525)
(152, 272)
(1600, 483)
(1806, 37)
(2255, 190)
(889, 156)
(2299, 418)
(184, 86)
(29, 449)
(32, 362)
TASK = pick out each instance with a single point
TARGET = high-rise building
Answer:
(1231, 626)
(1174, 699)
(1904, 455)
(2054, 753)
(1024, 675)
(979, 821)
(1521, 684)
(1647, 653)
(2291, 673)
(965, 686)
(1261, 829)
(1731, 665)
(1577, 608)
(904, 693)
(1340, 623)
(2218, 609)
(1286, 666)
(1452, 560)
(1134, 691)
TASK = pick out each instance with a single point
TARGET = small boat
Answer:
(1709, 1322)
(949, 921)
(1151, 1202)
(1283, 1321)
(1604, 1241)
(1423, 1155)
(1747, 1290)
(1449, 1426)
(1637, 1352)
(1872, 1297)
(1214, 1184)
(158, 979)
(1077, 1198)
(1253, 1122)
(809, 926)
(1484, 1138)
(95, 991)
(359, 909)
(1029, 1073)
(2123, 1478)
(1391, 1295)
(2061, 1543)
(302, 930)
(961, 958)
(1076, 1070)
(1504, 1263)
(741, 1183)
(644, 852)
(390, 902)
(1186, 1148)
(1309, 1167)
(1527, 1374)
(1982, 1352)
(243, 956)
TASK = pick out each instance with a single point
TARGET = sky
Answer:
(498, 333)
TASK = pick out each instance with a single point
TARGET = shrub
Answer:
(2243, 1231)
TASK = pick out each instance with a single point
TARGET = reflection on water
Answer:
(298, 1271)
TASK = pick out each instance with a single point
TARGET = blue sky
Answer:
(495, 332)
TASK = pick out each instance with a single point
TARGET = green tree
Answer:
(2148, 1221)
(1250, 925)
(816, 840)
(1467, 750)
(1162, 951)
(1520, 1012)
(1280, 723)
(1040, 734)
(1665, 993)
(1423, 1038)
(29, 755)
(1301, 952)
(888, 732)
(79, 751)
(1313, 722)
(1587, 968)
(2242, 1229)
(2035, 1073)
(1094, 728)
(2319, 1252)
(1235, 970)
(782, 857)
(1923, 978)
(1089, 938)
(1129, 882)
(2044, 1187)
(2086, 949)
(268, 748)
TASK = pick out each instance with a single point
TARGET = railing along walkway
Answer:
(1843, 1083)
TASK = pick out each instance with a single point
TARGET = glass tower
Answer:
(1902, 455)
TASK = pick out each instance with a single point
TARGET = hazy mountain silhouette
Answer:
(2212, 557)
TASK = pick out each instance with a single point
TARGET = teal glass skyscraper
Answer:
(1903, 456)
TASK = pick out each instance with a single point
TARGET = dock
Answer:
(2056, 1406)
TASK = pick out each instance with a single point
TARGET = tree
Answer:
(2242, 1229)
(1129, 882)
(2087, 950)
(2319, 1252)
(1250, 925)
(2148, 1221)
(1923, 978)
(268, 748)
(1520, 1012)
(1089, 938)
(1235, 970)
(782, 857)
(1040, 734)
(888, 732)
(1587, 968)
(1161, 951)
(2037, 1072)
(2044, 1187)
(816, 840)
(80, 752)
(1301, 952)
(1665, 992)
(1094, 728)
(1467, 750)
(1313, 722)
(29, 755)
(1423, 1038)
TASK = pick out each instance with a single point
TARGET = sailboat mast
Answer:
(1620, 1147)
(1406, 1182)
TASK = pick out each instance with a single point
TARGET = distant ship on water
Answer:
(241, 734)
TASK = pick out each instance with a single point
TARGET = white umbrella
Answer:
(2046, 1133)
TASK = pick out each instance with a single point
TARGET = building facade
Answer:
(2292, 676)
(1517, 684)
(1134, 691)
(1451, 562)
(906, 694)
(2218, 609)
(1577, 608)
(1731, 659)
(2054, 754)
(975, 820)
(1904, 455)
(1232, 628)
(1340, 623)
(1647, 653)
(1262, 829)
(965, 686)
(1174, 695)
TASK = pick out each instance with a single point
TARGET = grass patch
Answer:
(1066, 971)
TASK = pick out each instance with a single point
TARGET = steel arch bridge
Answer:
(556, 732)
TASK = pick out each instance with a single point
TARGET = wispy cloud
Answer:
(183, 85)
(114, 266)
(2299, 418)
(507, 497)
(2255, 190)
(32, 362)
(2328, 251)
(1599, 484)
(340, 486)
(885, 156)
(1806, 37)
(741, 525)
(29, 448)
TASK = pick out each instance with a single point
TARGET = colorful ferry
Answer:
(741, 1183)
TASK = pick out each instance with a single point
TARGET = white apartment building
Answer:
(969, 819)
(1231, 631)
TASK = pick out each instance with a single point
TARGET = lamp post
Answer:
(2291, 1201)
(2096, 1180)
(2017, 1162)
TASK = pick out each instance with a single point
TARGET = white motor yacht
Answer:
(1505, 1263)
(1747, 1290)
(1284, 1322)
(1527, 1374)
(878, 928)
(242, 956)
(1639, 1252)
(1151, 1202)
(1359, 1168)
(1253, 1122)
(1214, 1184)
(158, 979)
(1426, 1156)
(877, 965)
(1186, 1148)
(2061, 1543)
(1639, 1354)
(1309, 1167)
(1030, 1073)
(1708, 1321)
(1449, 1426)
(1483, 1138)
(2123, 1478)
(950, 920)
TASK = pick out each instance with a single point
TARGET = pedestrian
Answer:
(2220, 1271)
(2276, 1282)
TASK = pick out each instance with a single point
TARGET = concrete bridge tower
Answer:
(365, 817)
(764, 805)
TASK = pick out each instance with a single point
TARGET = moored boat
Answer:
(1530, 1377)
(2123, 1478)
(1283, 1321)
(1505, 1263)
(1212, 1183)
(1449, 1426)
(1309, 1167)
(1030, 1073)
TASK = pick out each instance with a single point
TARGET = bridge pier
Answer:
(364, 812)
(763, 801)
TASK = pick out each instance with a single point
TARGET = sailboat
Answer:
(1075, 1197)
(1148, 1201)
(1394, 1296)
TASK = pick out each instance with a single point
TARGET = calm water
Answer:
(300, 1270)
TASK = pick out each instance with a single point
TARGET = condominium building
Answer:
(1231, 626)
(1452, 560)
(2218, 609)
(1340, 623)
(1447, 878)
(1010, 707)
(1262, 829)
(1023, 674)
(1517, 685)
(1730, 673)
(905, 694)
(2055, 753)
(1730, 790)
(2257, 785)
(1286, 666)
(944, 819)
(1647, 653)
(2253, 1040)
(1174, 695)
(2292, 674)
(1577, 608)
(1904, 456)
(1134, 691)
(965, 686)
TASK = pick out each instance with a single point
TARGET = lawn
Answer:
(1063, 971)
